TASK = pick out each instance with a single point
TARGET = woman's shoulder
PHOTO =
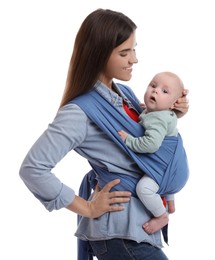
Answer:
(73, 111)
(71, 121)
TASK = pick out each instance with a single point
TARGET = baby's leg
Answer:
(147, 192)
(170, 199)
(171, 206)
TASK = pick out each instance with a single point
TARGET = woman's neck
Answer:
(106, 81)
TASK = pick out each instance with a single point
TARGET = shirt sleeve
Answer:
(65, 133)
(156, 127)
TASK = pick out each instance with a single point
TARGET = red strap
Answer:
(131, 112)
(164, 201)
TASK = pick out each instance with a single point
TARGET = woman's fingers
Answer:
(116, 200)
(115, 194)
(115, 208)
(181, 106)
(185, 92)
(105, 200)
(110, 185)
(183, 101)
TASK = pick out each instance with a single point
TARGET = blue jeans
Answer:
(122, 249)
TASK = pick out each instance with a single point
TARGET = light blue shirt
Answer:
(72, 130)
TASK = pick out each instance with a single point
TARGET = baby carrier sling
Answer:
(168, 166)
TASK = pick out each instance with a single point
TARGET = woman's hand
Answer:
(181, 106)
(103, 201)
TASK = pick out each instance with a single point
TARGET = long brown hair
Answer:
(101, 32)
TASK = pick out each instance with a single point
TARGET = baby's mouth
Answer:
(153, 98)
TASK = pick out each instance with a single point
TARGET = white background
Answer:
(35, 47)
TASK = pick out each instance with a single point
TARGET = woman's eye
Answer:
(123, 54)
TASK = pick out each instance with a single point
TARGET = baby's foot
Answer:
(156, 223)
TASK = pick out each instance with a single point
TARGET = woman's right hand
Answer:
(102, 201)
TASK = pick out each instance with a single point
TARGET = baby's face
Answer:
(162, 92)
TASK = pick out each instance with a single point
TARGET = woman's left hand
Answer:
(181, 106)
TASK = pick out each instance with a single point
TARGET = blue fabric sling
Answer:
(168, 166)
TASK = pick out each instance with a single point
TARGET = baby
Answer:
(159, 120)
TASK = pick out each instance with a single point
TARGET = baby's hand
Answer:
(123, 135)
(142, 105)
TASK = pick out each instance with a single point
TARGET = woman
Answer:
(104, 49)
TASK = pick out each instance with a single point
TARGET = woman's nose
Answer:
(133, 58)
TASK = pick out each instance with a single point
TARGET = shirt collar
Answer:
(115, 97)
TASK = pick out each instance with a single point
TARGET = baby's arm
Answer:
(156, 127)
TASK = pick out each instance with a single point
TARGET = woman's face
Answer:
(120, 63)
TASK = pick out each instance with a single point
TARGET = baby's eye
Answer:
(165, 91)
(153, 85)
